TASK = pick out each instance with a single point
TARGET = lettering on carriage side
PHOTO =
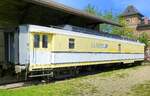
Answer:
(99, 45)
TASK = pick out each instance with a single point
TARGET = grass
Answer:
(72, 87)
(141, 89)
(58, 89)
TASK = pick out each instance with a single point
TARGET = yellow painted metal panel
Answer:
(82, 44)
(61, 43)
(50, 37)
(88, 45)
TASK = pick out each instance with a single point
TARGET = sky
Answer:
(116, 6)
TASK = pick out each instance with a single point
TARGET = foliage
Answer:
(144, 38)
(107, 15)
(92, 10)
(123, 31)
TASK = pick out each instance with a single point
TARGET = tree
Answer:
(144, 39)
(106, 15)
(92, 10)
(109, 16)
(123, 31)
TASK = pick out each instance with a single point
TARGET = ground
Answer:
(133, 81)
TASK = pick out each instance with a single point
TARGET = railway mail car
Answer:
(49, 48)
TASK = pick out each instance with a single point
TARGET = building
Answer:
(138, 22)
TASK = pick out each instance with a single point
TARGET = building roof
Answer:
(60, 7)
(131, 10)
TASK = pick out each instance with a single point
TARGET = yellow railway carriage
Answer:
(47, 48)
(42, 51)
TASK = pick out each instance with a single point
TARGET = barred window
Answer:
(45, 41)
(71, 43)
(36, 41)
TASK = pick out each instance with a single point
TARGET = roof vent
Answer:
(67, 27)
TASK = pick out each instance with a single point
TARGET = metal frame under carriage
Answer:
(67, 72)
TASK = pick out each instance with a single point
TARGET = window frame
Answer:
(36, 42)
(44, 41)
(71, 43)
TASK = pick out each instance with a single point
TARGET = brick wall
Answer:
(134, 20)
(144, 31)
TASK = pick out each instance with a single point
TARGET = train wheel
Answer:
(76, 71)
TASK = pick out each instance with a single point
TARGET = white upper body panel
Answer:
(24, 45)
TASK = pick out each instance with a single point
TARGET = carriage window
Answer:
(36, 41)
(45, 41)
(71, 43)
